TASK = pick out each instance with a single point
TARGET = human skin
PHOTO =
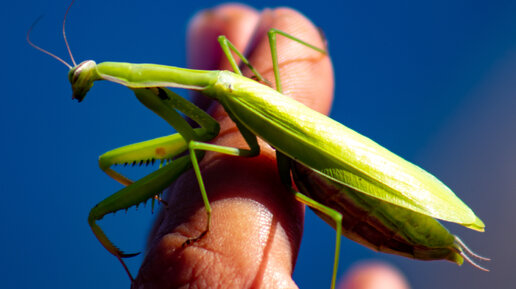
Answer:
(256, 223)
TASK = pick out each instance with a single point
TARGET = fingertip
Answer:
(235, 21)
(373, 275)
(306, 75)
(253, 238)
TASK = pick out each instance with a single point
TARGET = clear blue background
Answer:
(434, 82)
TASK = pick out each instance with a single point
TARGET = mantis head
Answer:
(82, 77)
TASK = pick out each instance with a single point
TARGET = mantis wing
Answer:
(341, 154)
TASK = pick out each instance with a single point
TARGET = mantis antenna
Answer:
(64, 33)
(64, 36)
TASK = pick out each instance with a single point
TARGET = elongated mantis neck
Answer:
(131, 75)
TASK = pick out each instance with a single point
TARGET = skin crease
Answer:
(256, 224)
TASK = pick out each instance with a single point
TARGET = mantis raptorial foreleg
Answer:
(138, 192)
(164, 103)
(148, 152)
(162, 149)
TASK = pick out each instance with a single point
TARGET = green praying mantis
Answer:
(364, 191)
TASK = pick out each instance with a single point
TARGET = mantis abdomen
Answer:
(378, 225)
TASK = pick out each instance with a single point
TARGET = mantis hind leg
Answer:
(284, 168)
(337, 218)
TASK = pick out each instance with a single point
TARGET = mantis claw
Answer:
(193, 240)
(190, 241)
(160, 201)
(124, 255)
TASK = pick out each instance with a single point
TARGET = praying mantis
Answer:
(339, 173)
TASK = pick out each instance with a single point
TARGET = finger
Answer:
(306, 75)
(236, 22)
(373, 275)
(256, 223)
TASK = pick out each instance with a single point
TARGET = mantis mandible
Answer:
(336, 169)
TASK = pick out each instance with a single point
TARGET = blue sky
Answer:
(433, 82)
